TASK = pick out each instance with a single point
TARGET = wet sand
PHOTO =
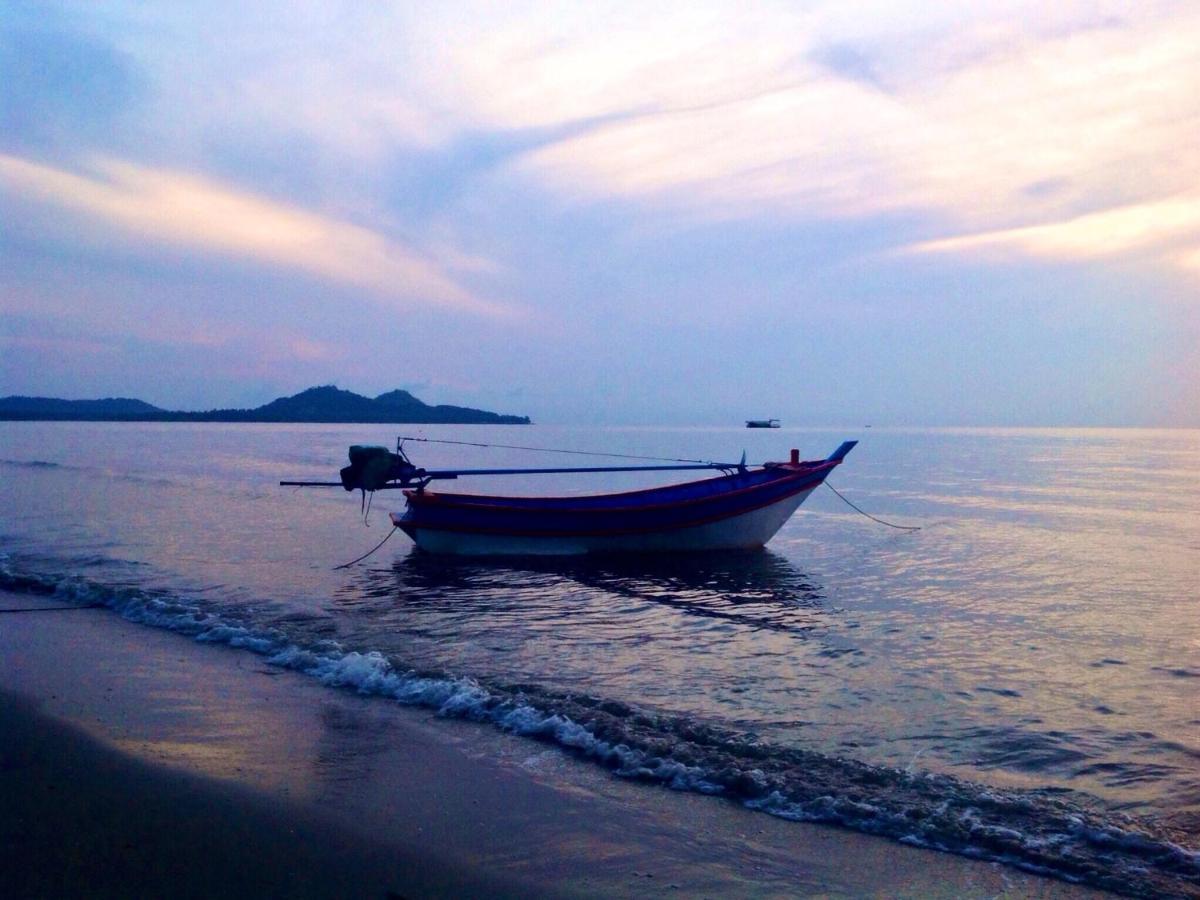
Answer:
(136, 762)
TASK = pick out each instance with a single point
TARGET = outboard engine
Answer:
(371, 468)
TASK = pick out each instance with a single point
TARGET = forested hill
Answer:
(317, 404)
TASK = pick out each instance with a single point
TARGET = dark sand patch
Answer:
(78, 819)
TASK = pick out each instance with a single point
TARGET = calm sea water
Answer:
(1017, 680)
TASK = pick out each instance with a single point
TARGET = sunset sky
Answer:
(982, 213)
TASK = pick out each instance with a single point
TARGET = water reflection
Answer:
(725, 634)
(754, 589)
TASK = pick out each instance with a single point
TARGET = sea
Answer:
(1014, 677)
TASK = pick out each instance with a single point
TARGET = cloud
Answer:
(344, 79)
(308, 350)
(1162, 226)
(997, 116)
(56, 346)
(181, 209)
(1190, 259)
(710, 111)
(60, 86)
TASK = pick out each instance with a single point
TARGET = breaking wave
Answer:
(1051, 832)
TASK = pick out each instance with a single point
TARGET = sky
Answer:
(898, 213)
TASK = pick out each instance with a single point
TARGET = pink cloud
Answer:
(182, 209)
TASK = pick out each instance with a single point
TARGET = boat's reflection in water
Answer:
(754, 589)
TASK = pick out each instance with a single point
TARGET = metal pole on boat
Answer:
(450, 474)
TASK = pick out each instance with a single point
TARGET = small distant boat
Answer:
(742, 508)
(762, 423)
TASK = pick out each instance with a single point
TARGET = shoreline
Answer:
(137, 761)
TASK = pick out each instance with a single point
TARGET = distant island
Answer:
(317, 404)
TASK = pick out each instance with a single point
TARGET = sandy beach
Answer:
(138, 763)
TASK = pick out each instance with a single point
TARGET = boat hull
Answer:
(742, 509)
(746, 531)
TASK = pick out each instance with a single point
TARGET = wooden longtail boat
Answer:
(742, 508)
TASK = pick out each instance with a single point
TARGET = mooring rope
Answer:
(395, 528)
(868, 515)
(557, 450)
